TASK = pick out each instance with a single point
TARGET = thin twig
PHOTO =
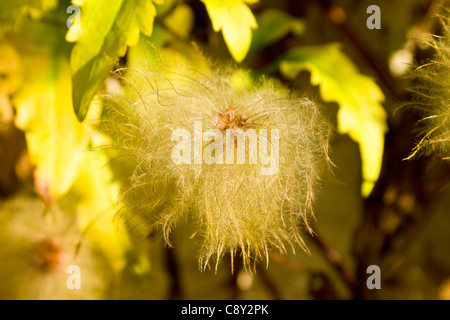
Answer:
(394, 258)
(290, 263)
(334, 258)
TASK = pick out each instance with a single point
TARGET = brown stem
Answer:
(173, 269)
(394, 258)
(334, 258)
(290, 263)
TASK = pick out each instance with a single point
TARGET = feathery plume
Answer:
(240, 158)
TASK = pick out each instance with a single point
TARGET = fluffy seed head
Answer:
(246, 190)
(432, 96)
(37, 249)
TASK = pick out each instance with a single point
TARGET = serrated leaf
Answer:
(236, 21)
(360, 113)
(107, 28)
(55, 139)
(58, 143)
(273, 25)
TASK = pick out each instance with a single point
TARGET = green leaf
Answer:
(273, 25)
(360, 113)
(107, 28)
(236, 21)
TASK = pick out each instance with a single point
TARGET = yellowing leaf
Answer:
(9, 59)
(56, 140)
(9, 79)
(236, 21)
(95, 195)
(107, 28)
(58, 143)
(360, 114)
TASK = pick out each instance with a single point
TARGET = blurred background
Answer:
(58, 194)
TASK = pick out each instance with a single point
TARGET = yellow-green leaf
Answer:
(95, 195)
(107, 28)
(360, 114)
(9, 79)
(55, 139)
(236, 21)
(58, 143)
(180, 21)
